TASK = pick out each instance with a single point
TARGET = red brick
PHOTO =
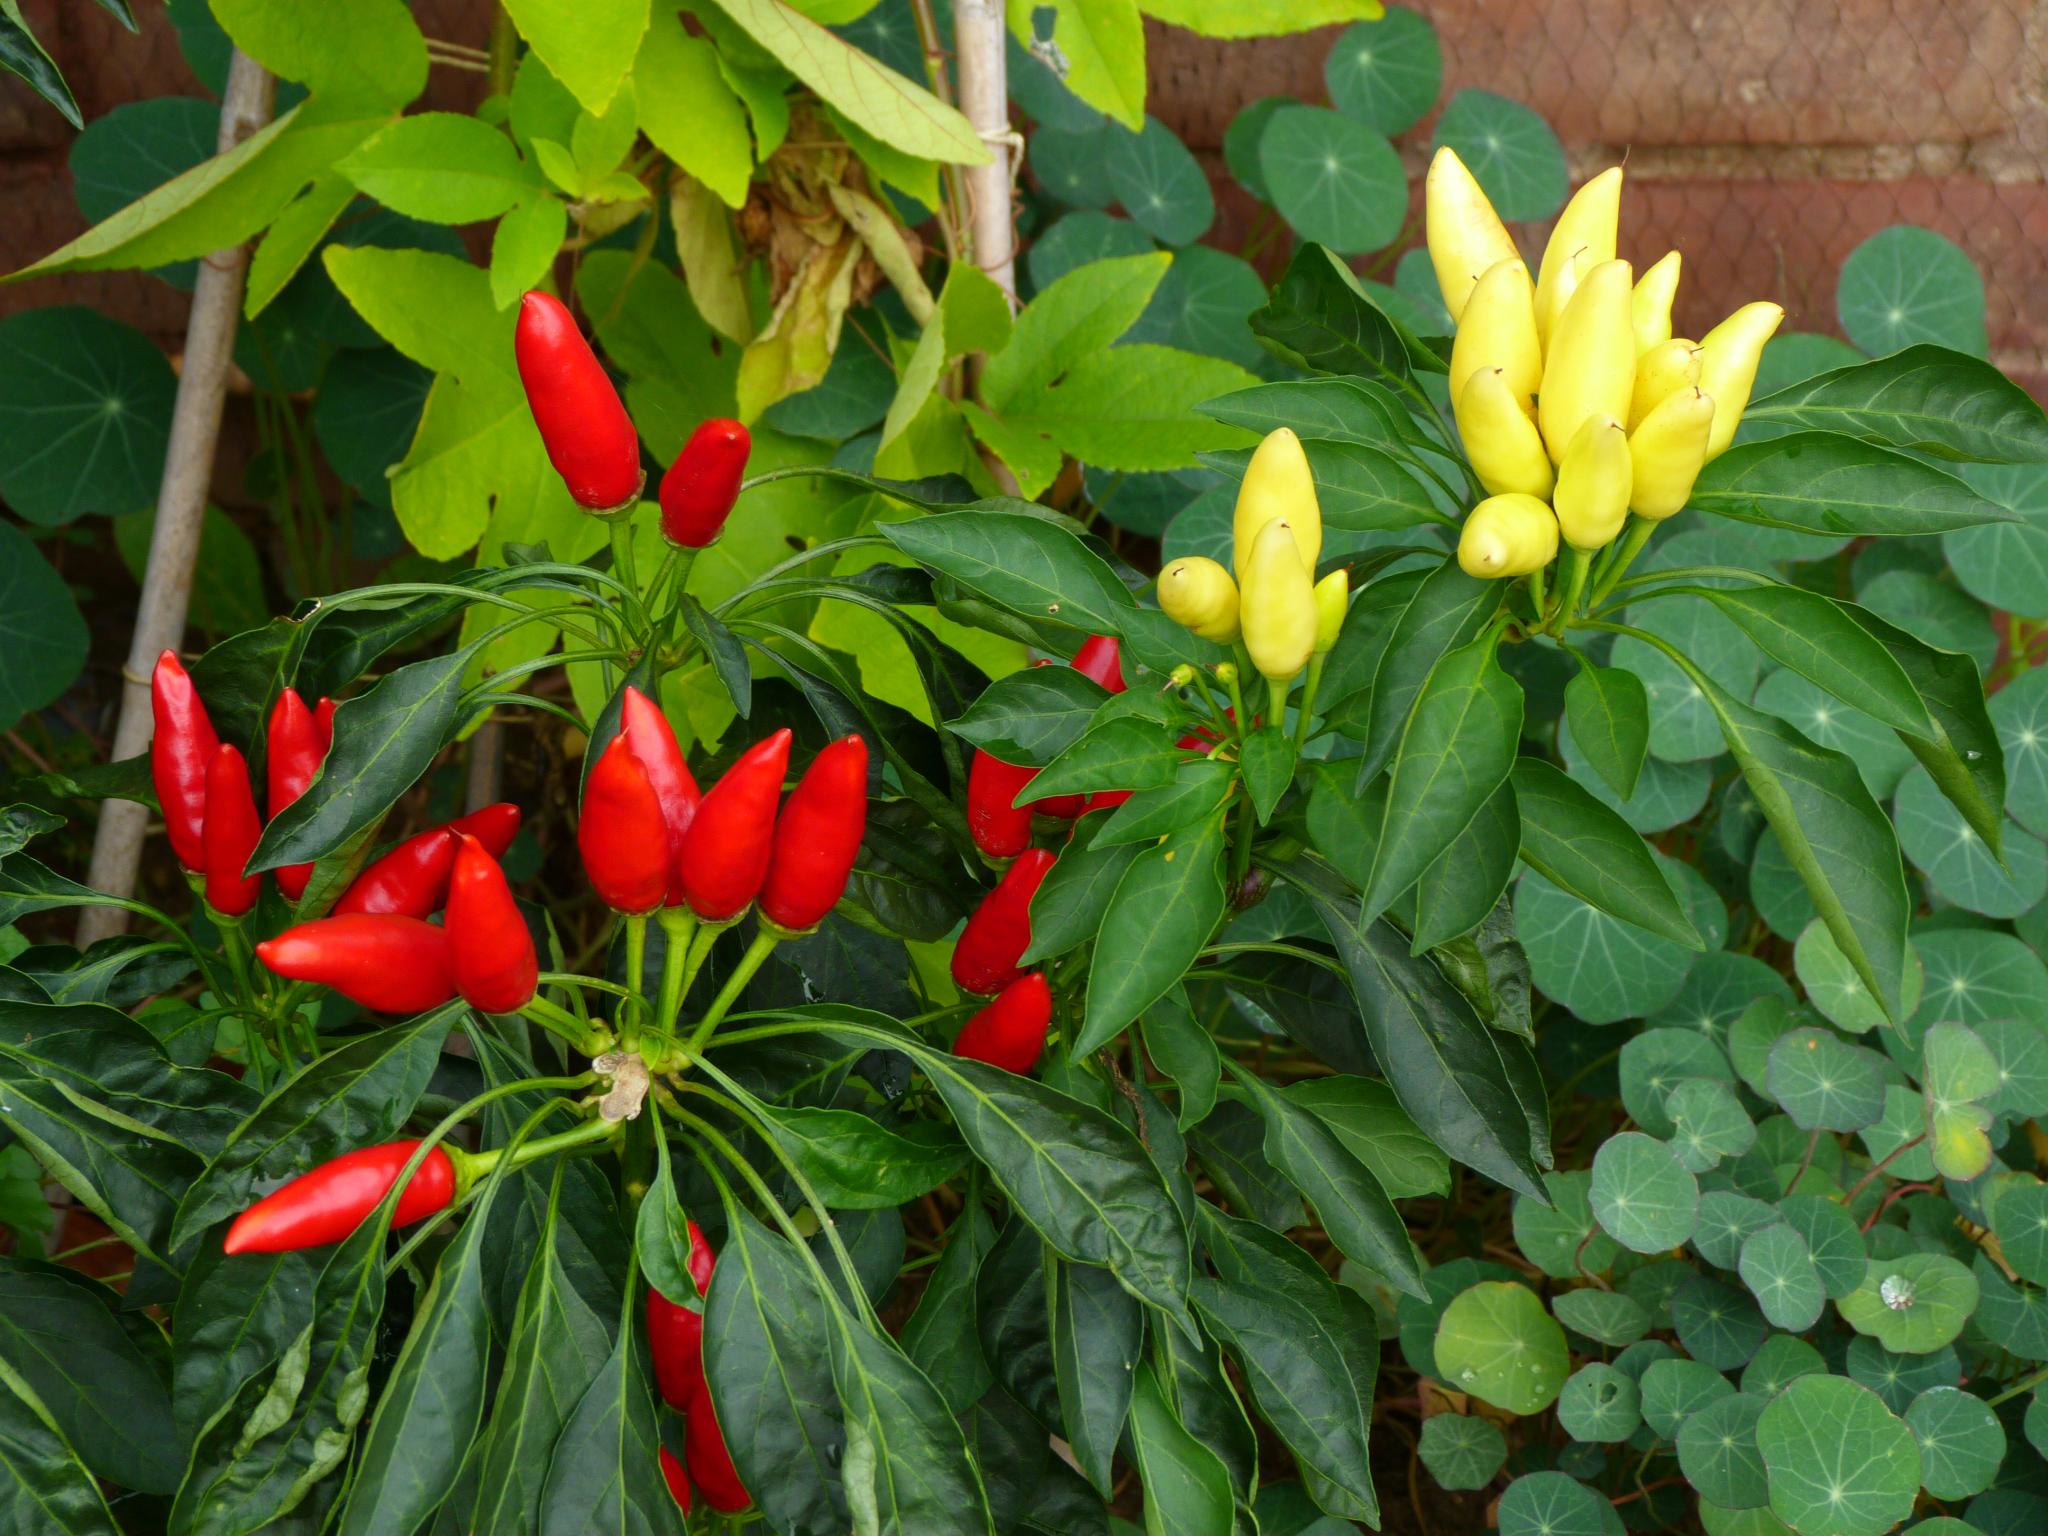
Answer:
(1666, 72)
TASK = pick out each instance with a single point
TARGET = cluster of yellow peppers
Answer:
(1283, 619)
(1576, 404)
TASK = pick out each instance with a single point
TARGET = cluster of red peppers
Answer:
(592, 443)
(675, 1336)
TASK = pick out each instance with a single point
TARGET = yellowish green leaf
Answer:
(589, 45)
(689, 111)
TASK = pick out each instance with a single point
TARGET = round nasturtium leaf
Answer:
(1552, 1504)
(1612, 1318)
(135, 149)
(1939, 843)
(1605, 969)
(1203, 526)
(1921, 603)
(1904, 1120)
(2036, 1422)
(1158, 182)
(2005, 565)
(1725, 1224)
(1333, 179)
(1600, 1404)
(1497, 1342)
(43, 633)
(1078, 239)
(1385, 73)
(1961, 1442)
(1716, 1521)
(1833, 986)
(1708, 1123)
(1654, 1284)
(2020, 1218)
(1415, 281)
(1717, 989)
(1958, 1074)
(1511, 151)
(2015, 1315)
(1973, 975)
(85, 415)
(1913, 1304)
(1642, 1195)
(1416, 1318)
(2021, 1051)
(1896, 1378)
(1838, 1462)
(1778, 1268)
(367, 412)
(1755, 1030)
(1776, 891)
(1683, 726)
(1204, 304)
(1551, 1236)
(1666, 793)
(1874, 747)
(1833, 1241)
(1824, 1083)
(1462, 1451)
(1905, 285)
(1071, 167)
(1241, 142)
(1675, 1389)
(1781, 1360)
(1718, 1455)
(1658, 1060)
(1718, 1323)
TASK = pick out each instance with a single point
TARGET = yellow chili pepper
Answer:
(1581, 240)
(1593, 484)
(1333, 598)
(1501, 441)
(1498, 330)
(1277, 483)
(1667, 449)
(1278, 605)
(1509, 535)
(1198, 593)
(1729, 354)
(1590, 366)
(1466, 237)
(1661, 373)
(1650, 304)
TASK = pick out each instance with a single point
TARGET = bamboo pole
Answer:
(985, 98)
(181, 507)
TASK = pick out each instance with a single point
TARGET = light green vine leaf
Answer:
(876, 98)
(1097, 50)
(365, 51)
(1259, 18)
(589, 45)
(689, 111)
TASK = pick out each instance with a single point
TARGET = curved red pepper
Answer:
(677, 1479)
(1100, 661)
(711, 1468)
(329, 1203)
(1010, 1032)
(698, 492)
(180, 753)
(589, 437)
(230, 834)
(725, 852)
(490, 948)
(412, 879)
(294, 748)
(1000, 829)
(675, 1332)
(653, 741)
(385, 962)
(817, 837)
(620, 833)
(996, 936)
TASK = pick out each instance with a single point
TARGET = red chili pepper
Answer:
(1099, 661)
(620, 832)
(1001, 830)
(677, 1479)
(996, 936)
(230, 835)
(817, 837)
(725, 853)
(675, 1332)
(711, 1468)
(412, 879)
(1010, 1032)
(329, 1203)
(295, 748)
(180, 753)
(385, 962)
(653, 742)
(490, 948)
(699, 489)
(589, 437)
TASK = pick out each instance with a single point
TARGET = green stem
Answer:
(679, 927)
(1239, 720)
(1576, 564)
(1307, 708)
(636, 958)
(560, 1022)
(1537, 595)
(765, 940)
(1632, 542)
(477, 1164)
(1277, 689)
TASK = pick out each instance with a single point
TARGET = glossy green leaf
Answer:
(1033, 564)
(1333, 178)
(1836, 1459)
(1198, 792)
(941, 1338)
(1448, 610)
(1075, 894)
(855, 1163)
(1913, 1304)
(1642, 1195)
(1098, 1332)
(1961, 1442)
(43, 1484)
(1582, 847)
(1032, 715)
(1599, 1405)
(1187, 1488)
(605, 1473)
(1813, 636)
(1462, 1451)
(1610, 722)
(906, 1465)
(1164, 911)
(1320, 317)
(1496, 1342)
(1823, 482)
(1924, 397)
(1824, 1083)
(1717, 1452)
(1186, 1052)
(1779, 1271)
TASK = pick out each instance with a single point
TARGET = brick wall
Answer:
(1766, 138)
